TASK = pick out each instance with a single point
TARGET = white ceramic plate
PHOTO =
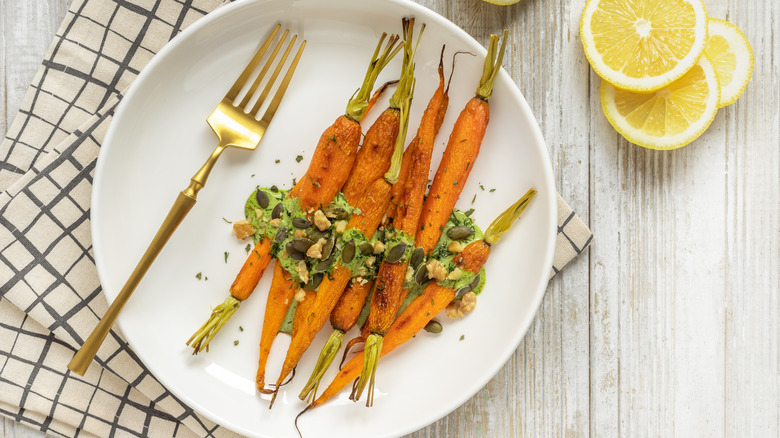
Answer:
(159, 138)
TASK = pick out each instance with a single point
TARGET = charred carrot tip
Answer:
(299, 416)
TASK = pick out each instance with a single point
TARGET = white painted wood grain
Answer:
(669, 325)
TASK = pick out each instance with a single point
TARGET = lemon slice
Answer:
(732, 57)
(670, 117)
(643, 45)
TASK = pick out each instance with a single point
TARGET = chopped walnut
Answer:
(370, 261)
(276, 222)
(455, 247)
(362, 271)
(321, 221)
(454, 274)
(467, 303)
(259, 213)
(243, 229)
(341, 226)
(409, 273)
(379, 247)
(452, 309)
(436, 271)
(300, 233)
(303, 271)
(300, 295)
(315, 251)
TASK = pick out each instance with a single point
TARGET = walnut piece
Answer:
(409, 273)
(341, 226)
(276, 222)
(379, 247)
(300, 295)
(436, 271)
(300, 233)
(243, 229)
(467, 303)
(303, 271)
(454, 274)
(321, 221)
(315, 251)
(452, 309)
(455, 247)
(370, 261)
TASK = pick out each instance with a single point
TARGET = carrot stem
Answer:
(219, 317)
(328, 353)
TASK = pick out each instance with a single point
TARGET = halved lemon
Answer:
(670, 117)
(732, 57)
(643, 45)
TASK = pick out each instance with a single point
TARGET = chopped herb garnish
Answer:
(299, 158)
(462, 337)
(469, 212)
(235, 342)
(455, 183)
(473, 199)
(482, 187)
(492, 190)
(226, 220)
(248, 248)
(199, 275)
(295, 181)
(333, 138)
(278, 161)
(253, 175)
(241, 329)
(205, 278)
(465, 139)
(226, 256)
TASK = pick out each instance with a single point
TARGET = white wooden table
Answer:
(669, 325)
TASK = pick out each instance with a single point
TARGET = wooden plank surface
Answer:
(669, 324)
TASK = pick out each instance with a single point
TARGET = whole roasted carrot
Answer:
(371, 206)
(456, 164)
(331, 164)
(415, 166)
(434, 298)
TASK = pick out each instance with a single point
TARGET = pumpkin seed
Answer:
(421, 276)
(418, 255)
(314, 282)
(281, 235)
(277, 212)
(294, 253)
(366, 248)
(301, 223)
(463, 291)
(337, 213)
(459, 232)
(433, 326)
(348, 253)
(302, 244)
(316, 234)
(324, 265)
(396, 253)
(262, 198)
(327, 248)
(474, 284)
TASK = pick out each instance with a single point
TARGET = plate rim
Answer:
(537, 140)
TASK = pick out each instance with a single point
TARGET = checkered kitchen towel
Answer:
(50, 297)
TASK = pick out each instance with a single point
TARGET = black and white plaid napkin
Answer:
(50, 297)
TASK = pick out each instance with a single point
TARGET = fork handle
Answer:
(183, 204)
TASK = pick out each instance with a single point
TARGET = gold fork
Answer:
(235, 125)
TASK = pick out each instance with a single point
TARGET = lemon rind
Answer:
(745, 62)
(669, 142)
(642, 85)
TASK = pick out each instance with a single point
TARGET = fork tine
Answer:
(273, 77)
(274, 105)
(242, 78)
(263, 71)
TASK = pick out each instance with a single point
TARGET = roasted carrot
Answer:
(456, 164)
(371, 205)
(434, 298)
(331, 163)
(416, 162)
